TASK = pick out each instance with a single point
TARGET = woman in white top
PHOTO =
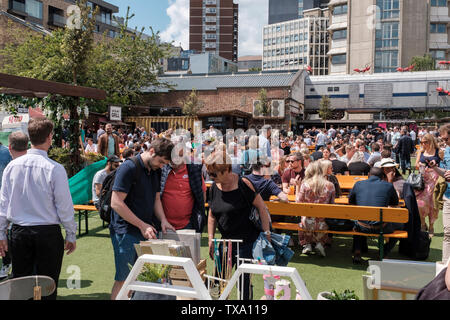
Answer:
(90, 147)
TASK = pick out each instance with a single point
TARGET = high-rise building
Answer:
(386, 34)
(298, 44)
(285, 10)
(213, 26)
(51, 14)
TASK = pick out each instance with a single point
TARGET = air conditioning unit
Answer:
(277, 107)
(256, 112)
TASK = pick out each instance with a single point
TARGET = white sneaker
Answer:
(321, 249)
(5, 270)
(307, 249)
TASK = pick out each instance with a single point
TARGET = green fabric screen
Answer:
(81, 184)
(4, 138)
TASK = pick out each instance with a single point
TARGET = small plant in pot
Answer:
(155, 273)
(333, 295)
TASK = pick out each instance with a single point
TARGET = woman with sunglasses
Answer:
(428, 152)
(231, 199)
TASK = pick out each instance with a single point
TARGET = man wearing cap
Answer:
(112, 164)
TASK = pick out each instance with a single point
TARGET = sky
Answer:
(171, 19)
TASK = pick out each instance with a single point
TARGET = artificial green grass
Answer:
(94, 257)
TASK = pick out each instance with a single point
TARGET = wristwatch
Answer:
(267, 233)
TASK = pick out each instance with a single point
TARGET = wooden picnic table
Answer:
(347, 182)
(341, 200)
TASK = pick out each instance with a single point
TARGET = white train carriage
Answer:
(417, 91)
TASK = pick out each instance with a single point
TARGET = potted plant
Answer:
(333, 295)
(92, 157)
(156, 273)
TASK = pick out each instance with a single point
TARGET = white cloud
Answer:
(178, 29)
(252, 17)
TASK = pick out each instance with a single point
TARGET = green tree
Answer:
(121, 66)
(192, 105)
(325, 110)
(423, 63)
(263, 106)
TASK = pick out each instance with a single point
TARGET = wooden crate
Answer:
(179, 277)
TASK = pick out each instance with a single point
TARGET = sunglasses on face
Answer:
(424, 142)
(290, 161)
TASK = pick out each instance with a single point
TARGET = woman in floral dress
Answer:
(429, 151)
(314, 188)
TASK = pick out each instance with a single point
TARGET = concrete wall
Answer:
(361, 49)
(414, 30)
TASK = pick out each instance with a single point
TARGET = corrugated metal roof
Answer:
(213, 82)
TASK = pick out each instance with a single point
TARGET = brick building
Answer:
(229, 99)
(43, 16)
(213, 26)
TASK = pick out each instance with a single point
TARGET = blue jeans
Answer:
(405, 163)
(124, 252)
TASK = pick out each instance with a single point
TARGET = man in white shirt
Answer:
(91, 146)
(35, 197)
(412, 134)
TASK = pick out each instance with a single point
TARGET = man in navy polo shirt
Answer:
(135, 203)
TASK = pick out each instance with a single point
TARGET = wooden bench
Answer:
(83, 210)
(396, 215)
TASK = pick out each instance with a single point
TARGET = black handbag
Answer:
(416, 181)
(254, 212)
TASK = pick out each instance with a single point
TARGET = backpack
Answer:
(106, 191)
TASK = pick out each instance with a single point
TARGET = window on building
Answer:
(282, 28)
(210, 19)
(300, 8)
(291, 50)
(274, 41)
(438, 28)
(340, 34)
(342, 9)
(390, 9)
(34, 9)
(211, 10)
(438, 54)
(286, 39)
(438, 3)
(387, 36)
(330, 89)
(296, 37)
(278, 28)
(386, 60)
(339, 59)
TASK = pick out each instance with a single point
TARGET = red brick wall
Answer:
(220, 100)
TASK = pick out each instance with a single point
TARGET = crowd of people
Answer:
(161, 186)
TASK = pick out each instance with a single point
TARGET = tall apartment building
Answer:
(286, 10)
(386, 34)
(213, 26)
(297, 44)
(51, 14)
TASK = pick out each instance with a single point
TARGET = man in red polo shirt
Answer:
(183, 194)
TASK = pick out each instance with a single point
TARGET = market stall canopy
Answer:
(27, 86)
